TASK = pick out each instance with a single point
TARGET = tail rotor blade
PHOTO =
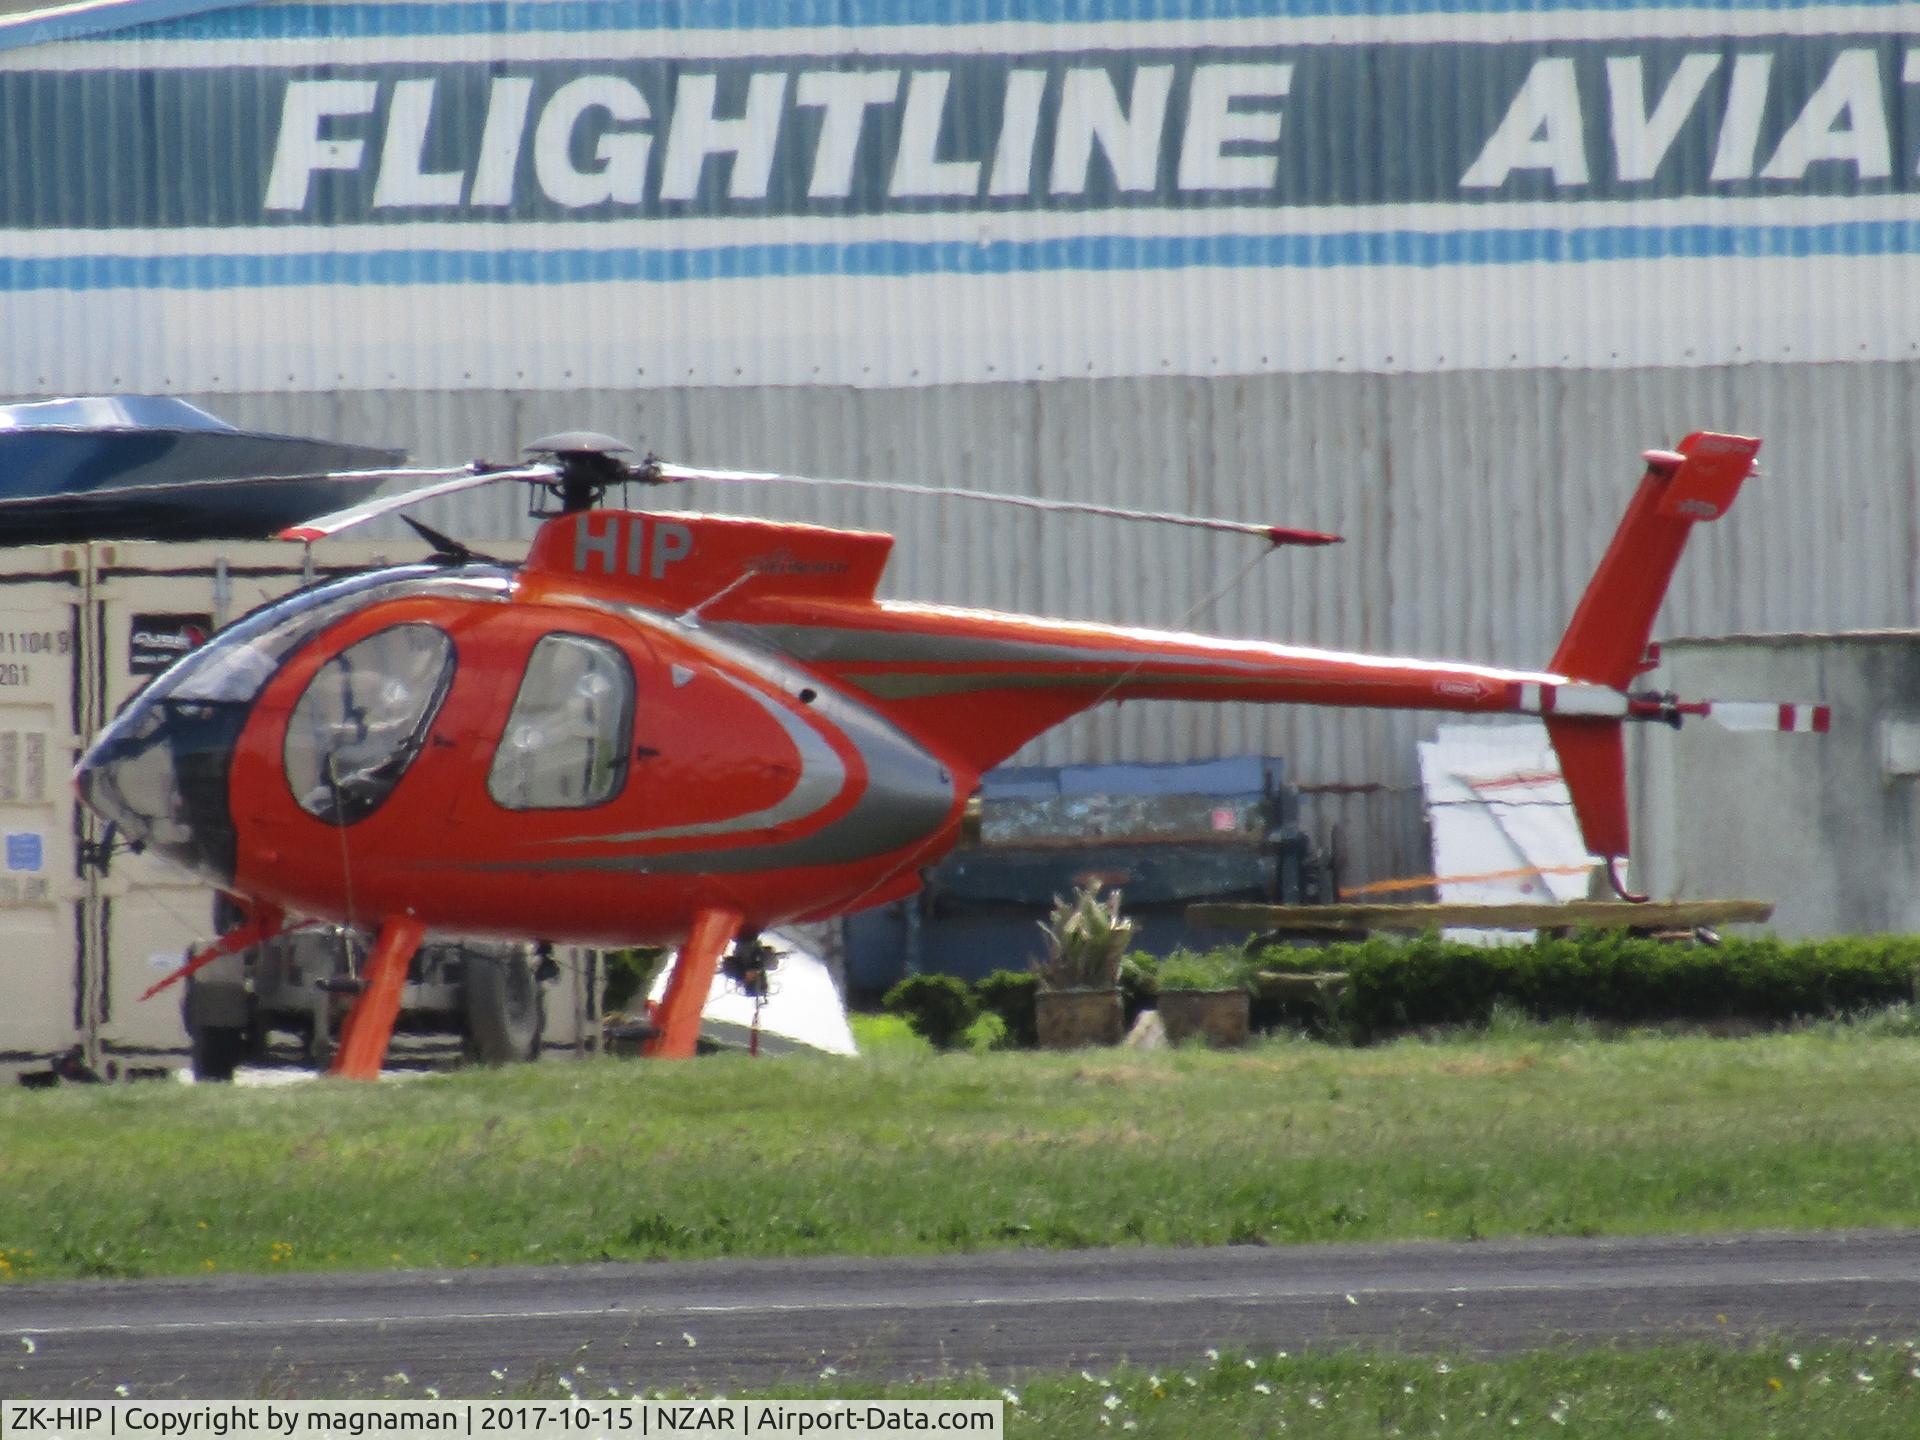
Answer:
(1273, 534)
(1767, 716)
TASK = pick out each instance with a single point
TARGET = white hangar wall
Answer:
(1427, 273)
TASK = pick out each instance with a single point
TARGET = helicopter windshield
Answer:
(363, 718)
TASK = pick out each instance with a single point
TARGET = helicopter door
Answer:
(568, 740)
(363, 719)
(556, 738)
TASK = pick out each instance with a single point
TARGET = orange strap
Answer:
(1418, 882)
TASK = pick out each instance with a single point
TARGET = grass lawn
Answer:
(1522, 1130)
(1817, 1391)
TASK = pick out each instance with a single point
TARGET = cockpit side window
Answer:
(363, 719)
(568, 739)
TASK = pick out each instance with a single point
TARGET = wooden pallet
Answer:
(1590, 914)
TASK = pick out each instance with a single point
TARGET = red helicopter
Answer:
(683, 729)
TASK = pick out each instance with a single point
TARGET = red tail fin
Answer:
(1593, 758)
(1608, 636)
(1610, 629)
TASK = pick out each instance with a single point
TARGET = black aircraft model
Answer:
(146, 467)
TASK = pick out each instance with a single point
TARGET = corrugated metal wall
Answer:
(1475, 506)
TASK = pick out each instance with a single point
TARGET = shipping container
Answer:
(88, 924)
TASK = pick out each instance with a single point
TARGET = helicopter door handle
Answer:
(645, 752)
(443, 741)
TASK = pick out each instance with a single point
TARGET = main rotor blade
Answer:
(464, 477)
(217, 483)
(1273, 534)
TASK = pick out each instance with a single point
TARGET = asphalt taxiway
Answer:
(743, 1323)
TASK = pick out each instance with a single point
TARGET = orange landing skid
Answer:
(262, 924)
(678, 1015)
(369, 1025)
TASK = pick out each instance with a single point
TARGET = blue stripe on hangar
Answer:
(899, 259)
(488, 17)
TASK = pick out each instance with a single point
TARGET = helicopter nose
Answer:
(159, 775)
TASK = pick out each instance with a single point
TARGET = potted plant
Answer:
(1078, 1002)
(1204, 997)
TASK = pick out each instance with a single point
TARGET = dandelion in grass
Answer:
(1012, 1397)
(26, 1344)
(1442, 1368)
(1863, 1377)
(1773, 1383)
(122, 1391)
(1261, 1387)
(1191, 1383)
(687, 1335)
(1663, 1415)
(432, 1392)
(579, 1369)
(1112, 1402)
(1213, 1355)
(399, 1377)
(498, 1374)
(1558, 1414)
(565, 1383)
(1317, 1401)
(828, 1373)
(1793, 1362)
(1247, 1363)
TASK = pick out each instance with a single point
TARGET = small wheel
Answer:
(218, 1050)
(505, 1009)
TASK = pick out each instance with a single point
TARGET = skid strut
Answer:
(678, 1015)
(369, 1024)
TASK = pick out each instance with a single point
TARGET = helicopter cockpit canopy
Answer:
(159, 772)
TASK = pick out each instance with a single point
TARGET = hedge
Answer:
(1607, 976)
(1399, 985)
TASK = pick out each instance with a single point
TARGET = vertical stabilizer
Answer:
(1610, 629)
(1607, 640)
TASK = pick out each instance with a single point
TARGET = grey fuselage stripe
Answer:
(908, 796)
